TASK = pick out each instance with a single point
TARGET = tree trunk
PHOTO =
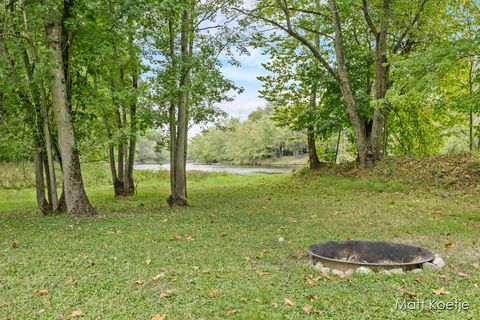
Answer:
(41, 106)
(355, 119)
(179, 196)
(381, 82)
(338, 145)
(313, 160)
(42, 203)
(75, 196)
(171, 111)
(129, 183)
(52, 179)
(66, 47)
(470, 92)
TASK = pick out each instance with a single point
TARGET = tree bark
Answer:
(75, 196)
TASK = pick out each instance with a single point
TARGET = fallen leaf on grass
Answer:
(461, 274)
(307, 309)
(312, 297)
(189, 237)
(274, 305)
(418, 278)
(177, 238)
(166, 294)
(14, 243)
(70, 281)
(42, 292)
(311, 280)
(148, 261)
(231, 311)
(139, 281)
(77, 314)
(158, 276)
(213, 293)
(288, 302)
(450, 245)
(440, 291)
(159, 317)
(411, 295)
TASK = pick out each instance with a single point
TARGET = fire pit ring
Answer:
(352, 254)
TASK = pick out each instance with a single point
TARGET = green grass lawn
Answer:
(229, 262)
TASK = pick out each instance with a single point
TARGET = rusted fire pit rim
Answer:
(425, 254)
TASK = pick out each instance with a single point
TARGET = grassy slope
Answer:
(235, 260)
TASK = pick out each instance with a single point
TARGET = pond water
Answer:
(231, 169)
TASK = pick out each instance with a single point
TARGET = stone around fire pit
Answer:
(343, 258)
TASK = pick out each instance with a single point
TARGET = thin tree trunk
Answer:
(172, 116)
(314, 162)
(62, 204)
(40, 100)
(338, 145)
(470, 83)
(52, 179)
(42, 203)
(381, 82)
(178, 197)
(355, 119)
(66, 47)
(117, 187)
(75, 196)
(129, 183)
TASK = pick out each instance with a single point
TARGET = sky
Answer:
(244, 76)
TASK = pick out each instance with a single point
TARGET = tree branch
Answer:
(297, 36)
(311, 12)
(397, 45)
(368, 19)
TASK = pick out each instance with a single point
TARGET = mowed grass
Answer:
(229, 262)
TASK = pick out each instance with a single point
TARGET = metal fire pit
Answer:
(352, 254)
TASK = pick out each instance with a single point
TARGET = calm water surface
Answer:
(242, 170)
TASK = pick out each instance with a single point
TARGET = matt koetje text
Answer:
(457, 305)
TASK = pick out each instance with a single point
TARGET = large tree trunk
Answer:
(75, 196)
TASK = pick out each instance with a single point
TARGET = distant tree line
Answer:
(256, 139)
